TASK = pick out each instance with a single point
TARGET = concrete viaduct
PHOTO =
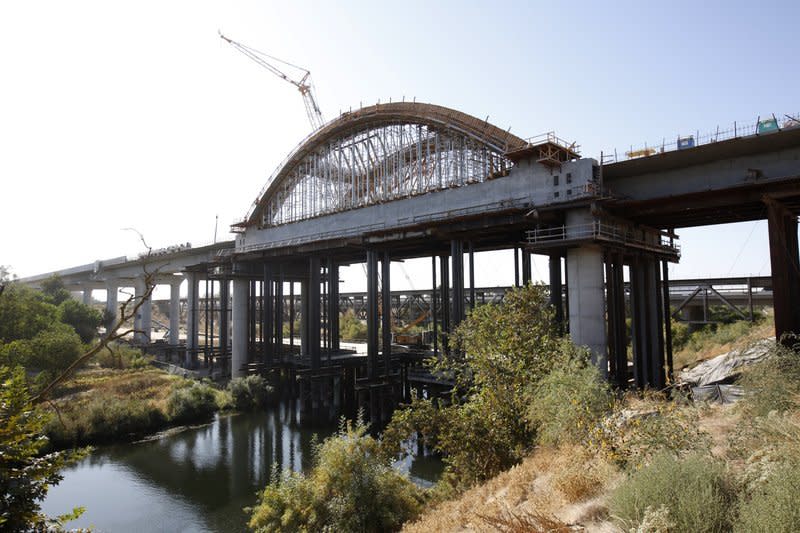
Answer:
(408, 180)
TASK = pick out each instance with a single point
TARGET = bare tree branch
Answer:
(113, 334)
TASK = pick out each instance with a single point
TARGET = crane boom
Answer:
(303, 84)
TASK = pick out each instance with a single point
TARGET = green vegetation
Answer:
(42, 331)
(695, 490)
(26, 473)
(500, 355)
(83, 319)
(568, 402)
(774, 506)
(351, 328)
(192, 402)
(250, 393)
(351, 487)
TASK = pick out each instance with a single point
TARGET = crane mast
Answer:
(303, 84)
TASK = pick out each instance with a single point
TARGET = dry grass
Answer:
(710, 348)
(526, 496)
(579, 476)
(151, 384)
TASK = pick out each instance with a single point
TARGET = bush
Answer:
(772, 384)
(122, 356)
(192, 403)
(632, 437)
(694, 489)
(105, 420)
(251, 392)
(351, 487)
(775, 506)
(23, 313)
(351, 328)
(568, 402)
(54, 349)
(26, 473)
(84, 319)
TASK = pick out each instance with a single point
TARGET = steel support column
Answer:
(783, 251)
(268, 315)
(556, 290)
(526, 266)
(333, 305)
(386, 313)
(457, 257)
(372, 313)
(314, 312)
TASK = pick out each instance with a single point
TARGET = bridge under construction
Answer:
(406, 180)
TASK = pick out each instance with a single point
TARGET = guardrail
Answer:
(762, 125)
(607, 231)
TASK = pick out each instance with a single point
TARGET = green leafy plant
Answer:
(250, 392)
(195, 402)
(695, 490)
(351, 487)
(26, 474)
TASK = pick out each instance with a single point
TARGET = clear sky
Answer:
(135, 114)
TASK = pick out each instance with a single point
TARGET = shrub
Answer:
(192, 403)
(54, 349)
(568, 402)
(351, 487)
(772, 384)
(775, 506)
(250, 392)
(499, 353)
(26, 473)
(122, 356)
(632, 437)
(578, 474)
(351, 328)
(84, 319)
(106, 419)
(694, 489)
(23, 313)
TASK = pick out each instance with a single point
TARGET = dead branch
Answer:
(113, 334)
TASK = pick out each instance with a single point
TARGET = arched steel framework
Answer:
(378, 154)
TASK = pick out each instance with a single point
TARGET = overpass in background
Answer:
(410, 180)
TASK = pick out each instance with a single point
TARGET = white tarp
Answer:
(723, 367)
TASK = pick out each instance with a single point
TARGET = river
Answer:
(193, 479)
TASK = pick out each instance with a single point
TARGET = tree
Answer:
(23, 313)
(84, 319)
(500, 353)
(26, 475)
(54, 290)
(352, 487)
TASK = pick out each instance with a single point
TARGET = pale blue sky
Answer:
(135, 114)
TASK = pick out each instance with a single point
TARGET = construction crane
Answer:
(303, 84)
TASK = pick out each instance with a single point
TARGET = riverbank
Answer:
(658, 463)
(104, 405)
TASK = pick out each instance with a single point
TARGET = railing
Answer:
(603, 230)
(762, 125)
(549, 137)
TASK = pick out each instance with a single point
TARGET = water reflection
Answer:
(198, 479)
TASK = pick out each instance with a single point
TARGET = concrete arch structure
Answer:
(379, 154)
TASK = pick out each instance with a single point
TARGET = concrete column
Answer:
(239, 333)
(175, 311)
(192, 317)
(112, 302)
(143, 319)
(87, 296)
(587, 294)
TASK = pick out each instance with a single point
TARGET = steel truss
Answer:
(378, 164)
